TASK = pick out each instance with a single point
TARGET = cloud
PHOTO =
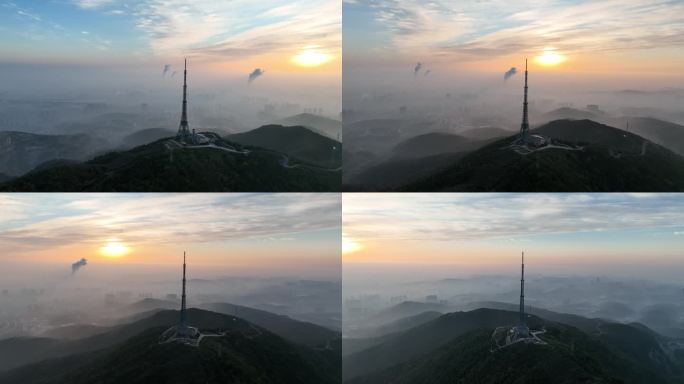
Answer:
(28, 15)
(254, 74)
(510, 73)
(417, 68)
(164, 218)
(78, 265)
(444, 217)
(90, 4)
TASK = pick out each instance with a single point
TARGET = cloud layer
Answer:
(64, 219)
(233, 29)
(492, 28)
(445, 217)
(238, 28)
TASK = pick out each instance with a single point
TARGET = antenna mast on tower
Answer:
(525, 126)
(183, 315)
(522, 291)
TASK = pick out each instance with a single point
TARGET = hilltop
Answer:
(241, 352)
(603, 159)
(20, 152)
(322, 125)
(166, 166)
(295, 141)
(457, 347)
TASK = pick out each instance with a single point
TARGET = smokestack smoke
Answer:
(429, 71)
(167, 67)
(255, 73)
(77, 265)
(417, 68)
(510, 73)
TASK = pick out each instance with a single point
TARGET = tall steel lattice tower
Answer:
(183, 129)
(525, 126)
(182, 332)
(522, 292)
(183, 316)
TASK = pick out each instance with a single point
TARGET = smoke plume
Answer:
(510, 73)
(77, 265)
(167, 67)
(173, 74)
(429, 71)
(255, 73)
(417, 68)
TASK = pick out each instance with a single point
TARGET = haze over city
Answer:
(428, 84)
(614, 257)
(89, 275)
(126, 54)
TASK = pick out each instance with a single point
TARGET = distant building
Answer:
(593, 108)
(110, 300)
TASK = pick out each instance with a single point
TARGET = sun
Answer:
(349, 245)
(550, 57)
(311, 56)
(114, 248)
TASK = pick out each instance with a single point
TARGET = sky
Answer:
(228, 234)
(609, 37)
(453, 234)
(301, 36)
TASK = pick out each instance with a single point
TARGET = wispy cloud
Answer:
(39, 27)
(93, 3)
(239, 28)
(442, 217)
(233, 29)
(161, 218)
(486, 29)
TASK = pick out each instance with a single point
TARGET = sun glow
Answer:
(311, 56)
(550, 57)
(114, 248)
(349, 245)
